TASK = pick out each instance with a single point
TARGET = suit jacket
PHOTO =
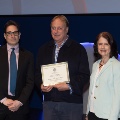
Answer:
(25, 75)
(107, 90)
(76, 56)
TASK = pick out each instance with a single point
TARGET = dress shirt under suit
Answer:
(25, 77)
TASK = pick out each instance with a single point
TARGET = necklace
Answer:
(100, 65)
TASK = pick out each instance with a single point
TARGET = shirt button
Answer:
(96, 86)
(95, 97)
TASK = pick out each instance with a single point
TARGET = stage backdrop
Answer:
(20, 7)
(35, 31)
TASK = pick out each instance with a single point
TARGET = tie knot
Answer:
(13, 49)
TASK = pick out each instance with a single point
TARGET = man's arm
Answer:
(79, 80)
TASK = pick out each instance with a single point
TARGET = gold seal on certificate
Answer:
(55, 73)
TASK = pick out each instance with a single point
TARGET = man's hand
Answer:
(62, 86)
(8, 102)
(46, 88)
(15, 105)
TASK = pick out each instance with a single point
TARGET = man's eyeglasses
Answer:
(15, 33)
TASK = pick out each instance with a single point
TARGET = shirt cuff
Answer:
(3, 100)
(70, 88)
(20, 103)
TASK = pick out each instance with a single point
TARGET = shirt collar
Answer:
(62, 42)
(16, 47)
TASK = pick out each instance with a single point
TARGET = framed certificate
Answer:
(55, 73)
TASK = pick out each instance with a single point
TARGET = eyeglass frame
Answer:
(15, 33)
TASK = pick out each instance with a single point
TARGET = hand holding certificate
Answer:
(55, 73)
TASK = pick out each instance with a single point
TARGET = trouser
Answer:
(62, 111)
(92, 116)
(6, 114)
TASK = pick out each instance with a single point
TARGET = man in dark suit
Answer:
(14, 105)
(63, 101)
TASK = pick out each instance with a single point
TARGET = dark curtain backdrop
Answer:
(35, 31)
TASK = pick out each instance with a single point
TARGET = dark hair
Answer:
(112, 43)
(10, 22)
(62, 18)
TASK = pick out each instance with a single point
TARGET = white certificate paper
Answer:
(55, 73)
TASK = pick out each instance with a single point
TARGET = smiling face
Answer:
(12, 35)
(104, 48)
(59, 30)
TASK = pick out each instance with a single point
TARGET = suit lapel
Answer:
(4, 55)
(95, 68)
(4, 64)
(106, 66)
(20, 61)
(4, 60)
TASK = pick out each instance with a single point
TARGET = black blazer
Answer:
(25, 75)
(76, 56)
